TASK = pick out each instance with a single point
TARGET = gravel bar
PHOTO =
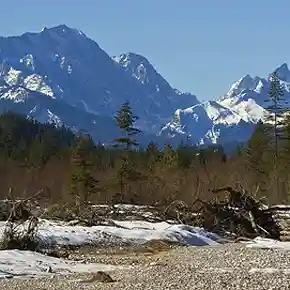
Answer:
(231, 266)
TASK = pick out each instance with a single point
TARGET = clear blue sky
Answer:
(198, 46)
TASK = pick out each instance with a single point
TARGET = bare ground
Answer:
(231, 266)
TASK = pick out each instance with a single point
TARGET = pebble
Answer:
(229, 266)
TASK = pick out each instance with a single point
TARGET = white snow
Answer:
(12, 77)
(69, 69)
(220, 114)
(248, 110)
(28, 60)
(26, 264)
(52, 118)
(138, 232)
(269, 271)
(16, 94)
(128, 206)
(87, 108)
(245, 83)
(264, 243)
(36, 83)
(245, 102)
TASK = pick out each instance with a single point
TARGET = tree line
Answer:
(75, 169)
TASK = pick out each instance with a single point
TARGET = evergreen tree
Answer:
(153, 155)
(169, 158)
(185, 156)
(276, 107)
(125, 121)
(82, 184)
(127, 173)
(285, 158)
(275, 117)
(258, 157)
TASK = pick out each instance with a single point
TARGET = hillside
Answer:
(60, 75)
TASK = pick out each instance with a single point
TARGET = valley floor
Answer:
(219, 267)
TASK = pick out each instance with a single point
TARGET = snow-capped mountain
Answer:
(60, 75)
(232, 117)
(156, 86)
(63, 66)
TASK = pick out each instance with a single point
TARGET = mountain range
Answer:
(60, 75)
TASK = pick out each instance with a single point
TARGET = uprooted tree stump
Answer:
(238, 213)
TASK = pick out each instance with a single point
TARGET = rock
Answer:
(100, 276)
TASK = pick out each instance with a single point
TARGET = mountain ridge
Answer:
(61, 75)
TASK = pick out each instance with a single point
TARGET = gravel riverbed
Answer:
(229, 266)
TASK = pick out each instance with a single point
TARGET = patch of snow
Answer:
(281, 206)
(87, 108)
(136, 232)
(35, 82)
(26, 264)
(52, 118)
(248, 110)
(129, 206)
(62, 62)
(33, 110)
(269, 271)
(28, 62)
(265, 243)
(12, 77)
(69, 69)
(177, 233)
(220, 114)
(141, 73)
(17, 95)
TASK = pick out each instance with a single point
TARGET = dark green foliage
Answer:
(285, 147)
(82, 184)
(125, 121)
(153, 156)
(169, 157)
(41, 155)
(126, 174)
(258, 156)
(185, 156)
(31, 142)
(277, 109)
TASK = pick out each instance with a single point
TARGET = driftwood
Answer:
(13, 209)
(238, 213)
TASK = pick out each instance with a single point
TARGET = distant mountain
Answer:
(232, 117)
(60, 75)
(63, 64)
(162, 95)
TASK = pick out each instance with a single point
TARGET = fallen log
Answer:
(239, 213)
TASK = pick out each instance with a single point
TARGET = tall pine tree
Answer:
(82, 184)
(258, 157)
(127, 170)
(125, 120)
(276, 108)
(275, 117)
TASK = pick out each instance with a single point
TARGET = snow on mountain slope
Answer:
(203, 122)
(64, 64)
(59, 75)
(156, 86)
(231, 117)
(248, 96)
(48, 110)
